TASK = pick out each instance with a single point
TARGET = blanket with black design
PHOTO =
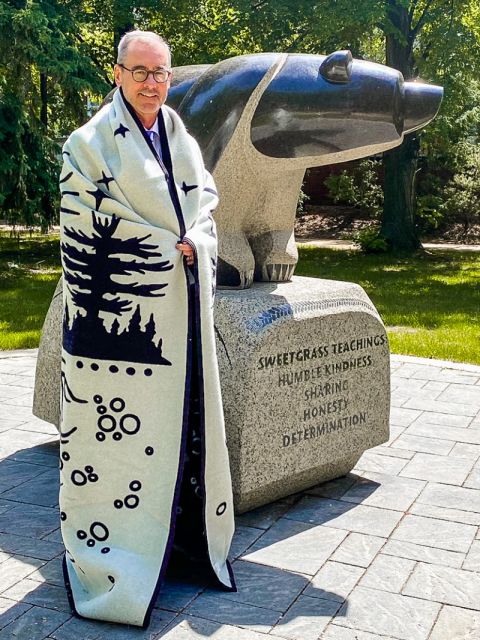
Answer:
(141, 400)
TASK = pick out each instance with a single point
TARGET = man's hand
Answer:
(187, 251)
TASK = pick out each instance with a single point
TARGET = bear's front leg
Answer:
(275, 254)
(235, 261)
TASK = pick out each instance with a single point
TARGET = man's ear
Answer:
(117, 70)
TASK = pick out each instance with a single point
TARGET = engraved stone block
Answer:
(305, 381)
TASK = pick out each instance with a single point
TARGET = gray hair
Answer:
(137, 34)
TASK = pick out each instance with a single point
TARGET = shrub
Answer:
(301, 202)
(429, 212)
(462, 193)
(358, 187)
(370, 241)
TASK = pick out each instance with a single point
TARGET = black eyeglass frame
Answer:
(143, 70)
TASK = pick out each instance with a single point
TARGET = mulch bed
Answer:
(338, 222)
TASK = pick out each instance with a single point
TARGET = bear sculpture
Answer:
(262, 119)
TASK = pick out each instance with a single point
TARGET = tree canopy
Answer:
(56, 57)
(46, 73)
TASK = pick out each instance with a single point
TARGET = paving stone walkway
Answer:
(392, 551)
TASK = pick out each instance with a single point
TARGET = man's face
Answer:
(145, 97)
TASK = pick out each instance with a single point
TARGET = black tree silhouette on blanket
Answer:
(89, 273)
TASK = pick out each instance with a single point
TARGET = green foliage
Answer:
(433, 40)
(311, 27)
(462, 193)
(45, 74)
(429, 212)
(370, 241)
(342, 188)
(56, 54)
(301, 202)
(359, 187)
(28, 170)
(39, 201)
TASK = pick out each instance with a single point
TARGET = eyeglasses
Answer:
(140, 74)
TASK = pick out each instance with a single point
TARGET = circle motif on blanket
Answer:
(113, 368)
(149, 451)
(107, 423)
(65, 456)
(117, 404)
(130, 424)
(132, 501)
(130, 371)
(78, 478)
(99, 531)
(148, 372)
(222, 507)
(63, 516)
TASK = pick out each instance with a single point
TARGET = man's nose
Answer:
(150, 80)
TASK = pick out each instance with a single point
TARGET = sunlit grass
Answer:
(430, 303)
(29, 271)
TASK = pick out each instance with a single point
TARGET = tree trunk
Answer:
(44, 99)
(398, 221)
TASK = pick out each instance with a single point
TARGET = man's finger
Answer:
(184, 247)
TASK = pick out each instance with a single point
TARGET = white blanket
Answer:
(136, 346)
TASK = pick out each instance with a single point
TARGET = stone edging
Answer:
(443, 364)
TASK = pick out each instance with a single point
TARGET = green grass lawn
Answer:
(29, 271)
(430, 302)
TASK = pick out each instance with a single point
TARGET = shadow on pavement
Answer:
(33, 602)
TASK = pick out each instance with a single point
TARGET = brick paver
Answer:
(389, 552)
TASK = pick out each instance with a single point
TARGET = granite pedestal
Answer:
(305, 376)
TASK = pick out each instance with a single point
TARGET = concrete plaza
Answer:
(391, 551)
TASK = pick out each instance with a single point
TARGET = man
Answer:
(143, 448)
(147, 97)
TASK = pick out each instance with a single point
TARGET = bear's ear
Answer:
(337, 67)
